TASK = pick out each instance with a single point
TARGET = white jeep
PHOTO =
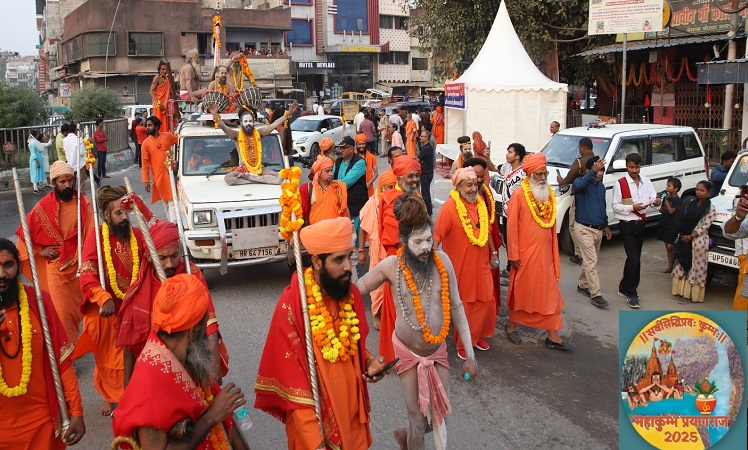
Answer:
(227, 225)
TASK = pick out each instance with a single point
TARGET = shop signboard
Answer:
(622, 16)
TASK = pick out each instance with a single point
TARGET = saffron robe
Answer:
(438, 126)
(282, 388)
(35, 419)
(99, 333)
(153, 158)
(55, 223)
(534, 297)
(472, 269)
(389, 237)
(327, 204)
(162, 95)
(371, 163)
(370, 224)
(411, 135)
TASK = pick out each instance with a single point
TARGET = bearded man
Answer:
(419, 339)
(32, 412)
(372, 172)
(160, 91)
(283, 389)
(469, 248)
(173, 399)
(154, 152)
(408, 173)
(134, 318)
(53, 224)
(466, 152)
(189, 77)
(248, 141)
(323, 198)
(222, 83)
(123, 248)
(534, 297)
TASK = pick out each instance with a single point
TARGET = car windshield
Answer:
(563, 149)
(305, 125)
(739, 175)
(203, 155)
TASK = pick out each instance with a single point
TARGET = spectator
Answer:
(134, 123)
(140, 132)
(64, 129)
(100, 140)
(358, 118)
(427, 158)
(719, 173)
(666, 229)
(370, 130)
(351, 170)
(736, 228)
(575, 171)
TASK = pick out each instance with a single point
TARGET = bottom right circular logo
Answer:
(682, 382)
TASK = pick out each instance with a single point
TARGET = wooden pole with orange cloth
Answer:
(170, 164)
(90, 160)
(59, 392)
(147, 235)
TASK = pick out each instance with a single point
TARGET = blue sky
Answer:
(18, 28)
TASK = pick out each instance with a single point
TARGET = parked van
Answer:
(666, 151)
(130, 110)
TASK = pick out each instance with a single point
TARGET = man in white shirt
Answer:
(736, 228)
(315, 108)
(395, 119)
(358, 118)
(75, 152)
(633, 194)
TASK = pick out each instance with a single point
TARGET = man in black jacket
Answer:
(351, 170)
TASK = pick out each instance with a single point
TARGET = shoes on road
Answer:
(504, 273)
(599, 301)
(684, 301)
(576, 260)
(482, 344)
(106, 176)
(461, 354)
(504, 282)
(584, 291)
(633, 301)
(513, 336)
(563, 345)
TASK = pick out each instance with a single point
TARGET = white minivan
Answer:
(130, 110)
(666, 151)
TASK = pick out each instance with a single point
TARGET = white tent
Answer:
(507, 98)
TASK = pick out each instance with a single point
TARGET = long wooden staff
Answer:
(78, 183)
(170, 164)
(147, 235)
(96, 226)
(65, 420)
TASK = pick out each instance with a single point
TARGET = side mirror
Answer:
(619, 165)
(324, 130)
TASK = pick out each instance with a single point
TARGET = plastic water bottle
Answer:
(242, 417)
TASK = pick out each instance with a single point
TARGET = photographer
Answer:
(736, 228)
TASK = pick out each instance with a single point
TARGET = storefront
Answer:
(312, 75)
(354, 66)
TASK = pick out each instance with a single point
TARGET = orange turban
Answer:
(532, 162)
(323, 162)
(405, 164)
(60, 168)
(464, 173)
(361, 137)
(328, 236)
(164, 233)
(387, 178)
(326, 144)
(180, 304)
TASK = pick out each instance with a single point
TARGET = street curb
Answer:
(115, 162)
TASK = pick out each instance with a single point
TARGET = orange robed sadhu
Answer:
(534, 297)
(411, 135)
(99, 333)
(472, 269)
(162, 95)
(438, 125)
(32, 420)
(55, 223)
(153, 157)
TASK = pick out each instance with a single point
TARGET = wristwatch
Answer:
(738, 219)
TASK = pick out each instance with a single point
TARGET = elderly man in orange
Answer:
(370, 232)
(123, 248)
(408, 173)
(154, 152)
(53, 223)
(135, 313)
(437, 120)
(173, 399)
(534, 297)
(411, 136)
(463, 230)
(323, 198)
(372, 172)
(282, 388)
(31, 412)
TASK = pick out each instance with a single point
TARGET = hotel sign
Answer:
(361, 48)
(315, 65)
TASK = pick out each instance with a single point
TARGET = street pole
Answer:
(623, 81)
(732, 51)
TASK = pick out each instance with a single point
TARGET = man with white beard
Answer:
(534, 297)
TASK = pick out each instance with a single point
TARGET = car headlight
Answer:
(301, 140)
(562, 189)
(202, 217)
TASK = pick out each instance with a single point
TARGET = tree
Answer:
(92, 102)
(20, 106)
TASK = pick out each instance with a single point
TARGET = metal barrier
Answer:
(17, 140)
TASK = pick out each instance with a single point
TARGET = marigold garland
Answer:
(544, 214)
(217, 24)
(444, 277)
(26, 355)
(217, 435)
(467, 225)
(290, 200)
(90, 157)
(342, 346)
(110, 267)
(246, 71)
(252, 161)
(222, 87)
(492, 206)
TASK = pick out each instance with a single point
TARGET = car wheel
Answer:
(564, 238)
(314, 152)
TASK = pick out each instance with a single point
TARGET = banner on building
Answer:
(624, 16)
(689, 17)
(454, 96)
(65, 90)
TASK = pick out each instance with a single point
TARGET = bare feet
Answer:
(377, 320)
(668, 270)
(106, 409)
(401, 436)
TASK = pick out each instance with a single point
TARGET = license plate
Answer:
(255, 253)
(723, 260)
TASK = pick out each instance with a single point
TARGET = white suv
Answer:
(721, 249)
(227, 225)
(666, 151)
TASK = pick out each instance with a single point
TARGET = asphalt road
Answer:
(525, 396)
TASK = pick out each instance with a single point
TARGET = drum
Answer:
(215, 99)
(250, 99)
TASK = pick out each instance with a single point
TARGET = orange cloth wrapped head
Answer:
(405, 164)
(181, 302)
(326, 144)
(387, 178)
(60, 168)
(328, 236)
(464, 173)
(533, 162)
(361, 137)
(164, 233)
(322, 163)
